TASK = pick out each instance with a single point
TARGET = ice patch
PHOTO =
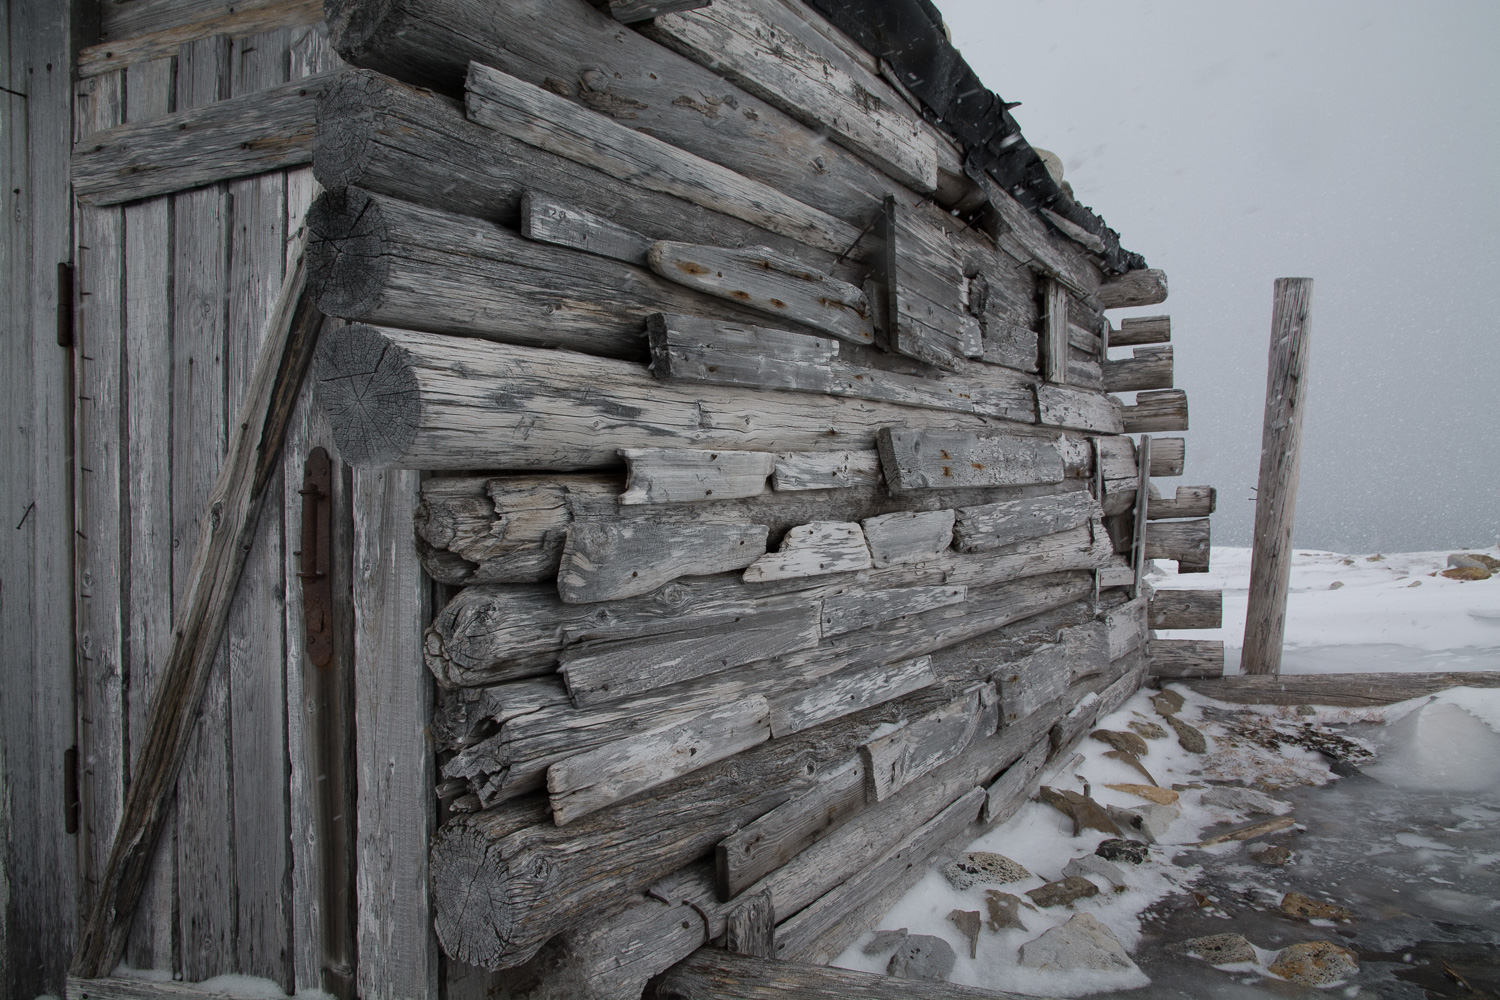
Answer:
(1440, 746)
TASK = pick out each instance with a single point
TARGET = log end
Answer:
(352, 24)
(477, 897)
(346, 263)
(341, 141)
(366, 386)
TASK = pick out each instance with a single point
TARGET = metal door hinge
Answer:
(317, 586)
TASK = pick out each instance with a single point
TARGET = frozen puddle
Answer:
(1409, 843)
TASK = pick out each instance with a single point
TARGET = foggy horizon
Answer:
(1350, 142)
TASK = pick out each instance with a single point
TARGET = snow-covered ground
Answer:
(1439, 859)
(1359, 613)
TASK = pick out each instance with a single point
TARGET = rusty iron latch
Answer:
(317, 584)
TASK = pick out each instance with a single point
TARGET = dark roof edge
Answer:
(909, 36)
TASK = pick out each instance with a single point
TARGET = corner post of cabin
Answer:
(1280, 467)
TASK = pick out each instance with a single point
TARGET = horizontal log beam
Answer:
(376, 258)
(1160, 410)
(1171, 609)
(127, 45)
(1147, 287)
(1146, 368)
(238, 137)
(399, 398)
(1176, 658)
(1142, 330)
(1185, 541)
(1338, 690)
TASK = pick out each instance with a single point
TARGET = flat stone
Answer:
(1095, 867)
(1120, 740)
(1273, 855)
(924, 958)
(1188, 738)
(1315, 963)
(1081, 943)
(1461, 560)
(1246, 800)
(1125, 757)
(1221, 949)
(1084, 811)
(1131, 852)
(1150, 820)
(1149, 730)
(884, 941)
(967, 921)
(1063, 891)
(1004, 910)
(1151, 793)
(983, 868)
(1167, 702)
(1470, 573)
(1301, 907)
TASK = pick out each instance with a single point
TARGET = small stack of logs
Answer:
(799, 553)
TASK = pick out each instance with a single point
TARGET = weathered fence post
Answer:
(1280, 465)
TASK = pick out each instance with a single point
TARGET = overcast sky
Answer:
(1352, 142)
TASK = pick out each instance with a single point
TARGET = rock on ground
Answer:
(1221, 949)
(1167, 702)
(1004, 910)
(1301, 907)
(967, 921)
(1092, 864)
(1129, 851)
(1150, 821)
(1152, 793)
(924, 958)
(1120, 740)
(885, 941)
(1149, 730)
(983, 868)
(1245, 800)
(1315, 963)
(1063, 891)
(1081, 943)
(1188, 738)
(1273, 855)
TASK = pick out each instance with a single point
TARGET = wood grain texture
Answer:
(722, 976)
(1142, 330)
(255, 646)
(606, 562)
(768, 50)
(147, 433)
(827, 470)
(990, 526)
(586, 783)
(1171, 609)
(848, 691)
(926, 291)
(769, 282)
(896, 759)
(817, 549)
(540, 118)
(1146, 368)
(1341, 690)
(1280, 471)
(692, 348)
(234, 137)
(851, 611)
(1187, 501)
(98, 506)
(908, 537)
(1128, 627)
(1054, 339)
(438, 408)
(1079, 409)
(1186, 657)
(929, 459)
(1185, 541)
(1007, 793)
(1147, 287)
(136, 32)
(678, 475)
(394, 764)
(1158, 410)
(202, 220)
(549, 220)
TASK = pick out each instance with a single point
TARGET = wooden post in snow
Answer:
(1280, 465)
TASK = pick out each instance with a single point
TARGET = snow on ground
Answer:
(1388, 612)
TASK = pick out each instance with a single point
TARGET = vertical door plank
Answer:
(96, 504)
(255, 630)
(149, 93)
(205, 829)
(392, 702)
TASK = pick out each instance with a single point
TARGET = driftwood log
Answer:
(1186, 657)
(1171, 609)
(1341, 690)
(428, 401)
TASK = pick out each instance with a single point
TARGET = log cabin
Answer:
(510, 495)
